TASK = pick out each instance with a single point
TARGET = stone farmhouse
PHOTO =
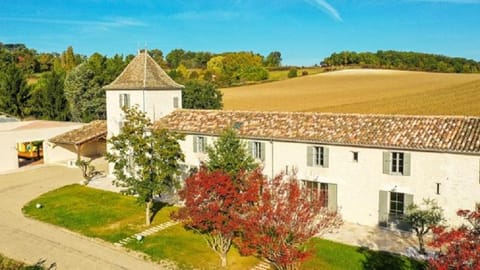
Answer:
(369, 167)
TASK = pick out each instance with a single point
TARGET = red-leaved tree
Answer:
(278, 227)
(214, 203)
(459, 248)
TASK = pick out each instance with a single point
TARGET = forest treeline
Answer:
(68, 86)
(404, 61)
(224, 68)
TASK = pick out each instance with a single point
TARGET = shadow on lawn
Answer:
(385, 260)
(157, 206)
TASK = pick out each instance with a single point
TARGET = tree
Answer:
(174, 57)
(181, 69)
(215, 65)
(214, 204)
(88, 170)
(279, 225)
(201, 95)
(146, 159)
(237, 67)
(113, 67)
(85, 96)
(14, 92)
(459, 248)
(273, 59)
(423, 219)
(229, 154)
(68, 59)
(49, 101)
(157, 55)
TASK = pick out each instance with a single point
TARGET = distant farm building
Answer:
(22, 142)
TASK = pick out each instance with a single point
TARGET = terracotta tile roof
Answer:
(429, 133)
(92, 131)
(141, 74)
(42, 124)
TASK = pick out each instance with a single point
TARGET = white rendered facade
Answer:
(155, 103)
(359, 183)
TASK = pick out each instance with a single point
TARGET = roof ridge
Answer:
(341, 114)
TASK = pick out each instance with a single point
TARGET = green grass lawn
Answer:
(112, 216)
(189, 250)
(95, 213)
(336, 256)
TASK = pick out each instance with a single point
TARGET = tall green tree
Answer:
(68, 59)
(49, 101)
(14, 92)
(113, 67)
(146, 159)
(229, 154)
(273, 59)
(85, 95)
(201, 95)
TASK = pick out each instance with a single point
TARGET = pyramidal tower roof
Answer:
(143, 73)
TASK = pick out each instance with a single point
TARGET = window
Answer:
(317, 156)
(314, 189)
(392, 206)
(397, 205)
(257, 150)
(396, 163)
(124, 100)
(355, 156)
(199, 144)
(175, 102)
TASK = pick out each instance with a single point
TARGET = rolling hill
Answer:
(363, 91)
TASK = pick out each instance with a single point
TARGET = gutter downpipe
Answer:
(271, 143)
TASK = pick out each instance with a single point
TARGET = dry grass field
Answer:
(363, 91)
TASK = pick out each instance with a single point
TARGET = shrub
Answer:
(292, 73)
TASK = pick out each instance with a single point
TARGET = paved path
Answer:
(147, 232)
(29, 240)
(374, 238)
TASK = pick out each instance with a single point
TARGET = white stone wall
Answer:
(9, 140)
(156, 103)
(59, 153)
(359, 183)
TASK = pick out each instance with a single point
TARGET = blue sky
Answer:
(304, 31)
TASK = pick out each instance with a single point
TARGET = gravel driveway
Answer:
(28, 240)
